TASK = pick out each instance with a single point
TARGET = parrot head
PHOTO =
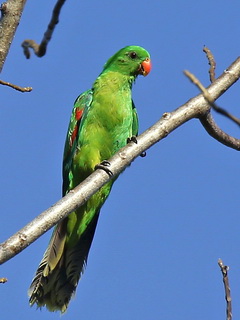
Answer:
(131, 61)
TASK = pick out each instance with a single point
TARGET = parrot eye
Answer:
(133, 55)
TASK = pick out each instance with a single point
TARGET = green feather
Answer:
(102, 120)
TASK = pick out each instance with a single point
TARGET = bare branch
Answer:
(218, 109)
(226, 113)
(194, 80)
(211, 62)
(207, 120)
(14, 86)
(217, 133)
(41, 49)
(194, 108)
(228, 298)
(11, 11)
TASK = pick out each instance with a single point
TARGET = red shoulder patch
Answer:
(78, 113)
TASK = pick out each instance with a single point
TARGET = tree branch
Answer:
(194, 108)
(212, 63)
(11, 11)
(227, 114)
(41, 49)
(217, 133)
(228, 298)
(14, 86)
(207, 120)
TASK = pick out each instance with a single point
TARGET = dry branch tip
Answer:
(211, 62)
(16, 87)
(40, 49)
(224, 270)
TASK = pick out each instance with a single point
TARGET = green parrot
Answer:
(102, 121)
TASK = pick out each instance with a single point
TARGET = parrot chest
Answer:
(107, 125)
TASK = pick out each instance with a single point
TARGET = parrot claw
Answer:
(104, 166)
(134, 139)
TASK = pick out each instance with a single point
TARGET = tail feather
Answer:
(55, 282)
(49, 261)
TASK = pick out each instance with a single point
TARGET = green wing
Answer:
(135, 120)
(79, 113)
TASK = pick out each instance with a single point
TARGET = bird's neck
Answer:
(114, 81)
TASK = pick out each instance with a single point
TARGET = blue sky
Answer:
(171, 215)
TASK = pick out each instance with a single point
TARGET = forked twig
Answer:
(207, 120)
(212, 63)
(224, 270)
(40, 49)
(14, 86)
(194, 80)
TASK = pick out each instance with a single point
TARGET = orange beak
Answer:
(146, 67)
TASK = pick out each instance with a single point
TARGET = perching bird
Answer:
(102, 121)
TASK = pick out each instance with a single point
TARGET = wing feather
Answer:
(135, 120)
(79, 112)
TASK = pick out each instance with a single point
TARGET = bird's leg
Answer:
(104, 166)
(134, 139)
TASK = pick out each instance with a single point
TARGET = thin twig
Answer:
(41, 49)
(11, 11)
(217, 133)
(195, 81)
(209, 99)
(194, 108)
(211, 62)
(14, 86)
(226, 113)
(207, 120)
(224, 270)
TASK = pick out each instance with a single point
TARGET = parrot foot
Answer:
(134, 139)
(104, 166)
